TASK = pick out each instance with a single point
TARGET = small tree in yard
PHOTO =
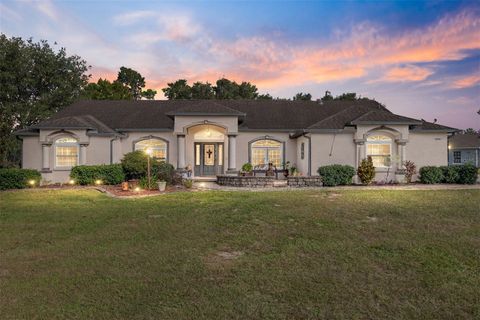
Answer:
(366, 171)
(410, 170)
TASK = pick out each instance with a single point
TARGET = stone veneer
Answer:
(250, 182)
(310, 181)
(262, 182)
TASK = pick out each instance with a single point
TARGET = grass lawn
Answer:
(241, 255)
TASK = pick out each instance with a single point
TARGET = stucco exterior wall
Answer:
(302, 164)
(328, 148)
(183, 122)
(427, 149)
(32, 153)
(122, 146)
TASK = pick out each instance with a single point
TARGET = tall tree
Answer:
(178, 90)
(226, 89)
(351, 96)
(106, 90)
(327, 97)
(470, 131)
(303, 96)
(35, 82)
(149, 94)
(132, 80)
(202, 90)
(246, 90)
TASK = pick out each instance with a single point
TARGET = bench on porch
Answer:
(268, 170)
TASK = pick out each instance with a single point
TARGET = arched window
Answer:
(158, 147)
(66, 152)
(266, 151)
(379, 147)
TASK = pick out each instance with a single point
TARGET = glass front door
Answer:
(208, 158)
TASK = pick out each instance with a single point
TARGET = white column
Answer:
(46, 156)
(232, 155)
(181, 151)
(83, 155)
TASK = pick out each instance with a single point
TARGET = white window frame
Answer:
(460, 159)
(65, 144)
(165, 143)
(380, 143)
(267, 148)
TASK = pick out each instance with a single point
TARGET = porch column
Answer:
(181, 151)
(401, 151)
(359, 151)
(46, 156)
(232, 155)
(82, 159)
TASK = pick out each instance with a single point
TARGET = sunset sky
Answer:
(421, 59)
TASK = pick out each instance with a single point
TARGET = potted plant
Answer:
(247, 169)
(293, 171)
(162, 185)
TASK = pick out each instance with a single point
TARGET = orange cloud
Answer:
(466, 82)
(407, 73)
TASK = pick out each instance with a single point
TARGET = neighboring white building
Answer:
(218, 136)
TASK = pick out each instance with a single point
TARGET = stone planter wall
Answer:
(262, 182)
(249, 182)
(299, 182)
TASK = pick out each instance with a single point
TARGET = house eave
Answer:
(407, 123)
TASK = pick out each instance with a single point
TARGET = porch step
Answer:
(204, 179)
(280, 183)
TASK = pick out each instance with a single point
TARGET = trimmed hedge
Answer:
(462, 174)
(134, 164)
(336, 174)
(450, 174)
(431, 175)
(108, 173)
(13, 178)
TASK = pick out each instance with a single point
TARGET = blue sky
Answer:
(421, 59)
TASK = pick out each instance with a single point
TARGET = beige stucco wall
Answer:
(329, 148)
(421, 148)
(182, 123)
(302, 164)
(427, 149)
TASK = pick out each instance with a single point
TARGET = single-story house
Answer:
(218, 136)
(464, 148)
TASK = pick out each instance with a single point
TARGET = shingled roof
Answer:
(464, 141)
(110, 117)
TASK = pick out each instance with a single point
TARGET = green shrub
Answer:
(450, 174)
(164, 172)
(467, 174)
(13, 178)
(107, 173)
(144, 183)
(188, 183)
(247, 167)
(431, 175)
(134, 164)
(366, 171)
(336, 174)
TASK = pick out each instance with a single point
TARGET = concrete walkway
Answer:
(214, 186)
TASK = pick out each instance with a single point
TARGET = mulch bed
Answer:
(118, 192)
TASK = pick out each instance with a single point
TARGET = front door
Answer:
(208, 158)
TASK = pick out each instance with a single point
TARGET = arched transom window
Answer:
(266, 151)
(157, 146)
(379, 147)
(66, 152)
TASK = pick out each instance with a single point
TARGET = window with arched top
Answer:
(266, 151)
(379, 147)
(157, 146)
(66, 152)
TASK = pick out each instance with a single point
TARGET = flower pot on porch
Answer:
(162, 185)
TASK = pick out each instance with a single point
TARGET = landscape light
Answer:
(71, 181)
(31, 182)
(98, 182)
(137, 189)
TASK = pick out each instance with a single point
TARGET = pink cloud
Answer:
(466, 82)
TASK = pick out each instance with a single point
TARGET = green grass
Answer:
(301, 255)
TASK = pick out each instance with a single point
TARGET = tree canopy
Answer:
(224, 89)
(128, 86)
(35, 81)
(303, 96)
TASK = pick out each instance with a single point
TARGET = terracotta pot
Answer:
(125, 186)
